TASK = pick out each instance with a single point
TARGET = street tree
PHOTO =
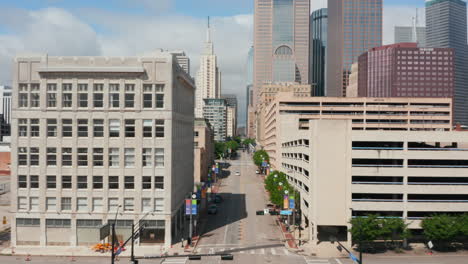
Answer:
(441, 229)
(260, 156)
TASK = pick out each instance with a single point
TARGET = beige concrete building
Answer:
(95, 135)
(231, 114)
(405, 174)
(203, 150)
(352, 89)
(398, 114)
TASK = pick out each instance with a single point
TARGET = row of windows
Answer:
(90, 223)
(95, 128)
(94, 182)
(296, 143)
(84, 157)
(82, 204)
(29, 96)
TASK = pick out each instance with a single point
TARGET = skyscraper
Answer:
(446, 28)
(208, 79)
(354, 26)
(318, 55)
(281, 43)
(249, 96)
(406, 34)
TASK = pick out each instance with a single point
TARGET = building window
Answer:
(147, 96)
(129, 128)
(129, 95)
(159, 157)
(146, 204)
(65, 204)
(23, 95)
(158, 205)
(98, 157)
(113, 204)
(113, 157)
(98, 127)
(82, 95)
(22, 127)
(129, 182)
(34, 127)
(22, 203)
(129, 157)
(159, 128)
(51, 157)
(51, 181)
(34, 156)
(35, 98)
(147, 159)
(82, 182)
(34, 203)
(146, 182)
(114, 95)
(67, 128)
(97, 182)
(51, 204)
(52, 95)
(82, 127)
(22, 181)
(82, 155)
(97, 204)
(23, 156)
(66, 157)
(114, 127)
(98, 95)
(58, 223)
(128, 205)
(66, 182)
(28, 222)
(81, 204)
(159, 96)
(113, 182)
(147, 128)
(51, 127)
(67, 99)
(159, 182)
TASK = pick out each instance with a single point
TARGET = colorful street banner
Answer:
(188, 203)
(286, 202)
(291, 202)
(194, 206)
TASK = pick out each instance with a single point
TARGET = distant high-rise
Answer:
(318, 55)
(446, 28)
(231, 114)
(406, 34)
(354, 26)
(182, 59)
(215, 111)
(281, 43)
(208, 79)
(249, 92)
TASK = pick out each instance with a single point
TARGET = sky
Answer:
(133, 27)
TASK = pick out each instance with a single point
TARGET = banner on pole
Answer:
(194, 207)
(188, 203)
(286, 202)
(292, 204)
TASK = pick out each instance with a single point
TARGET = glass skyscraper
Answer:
(318, 55)
(446, 27)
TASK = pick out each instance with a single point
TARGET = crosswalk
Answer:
(278, 251)
(316, 261)
(174, 261)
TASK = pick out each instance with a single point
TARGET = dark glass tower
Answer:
(318, 55)
(446, 28)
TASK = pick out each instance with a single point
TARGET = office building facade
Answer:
(203, 145)
(446, 27)
(215, 111)
(318, 50)
(404, 70)
(95, 135)
(231, 115)
(354, 26)
(406, 34)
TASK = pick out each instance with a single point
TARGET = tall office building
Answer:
(446, 28)
(95, 134)
(215, 111)
(249, 109)
(406, 34)
(208, 79)
(318, 55)
(182, 59)
(5, 103)
(281, 43)
(354, 26)
(231, 115)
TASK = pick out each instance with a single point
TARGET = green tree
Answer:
(220, 149)
(260, 156)
(463, 225)
(248, 141)
(276, 183)
(365, 229)
(394, 229)
(233, 145)
(441, 229)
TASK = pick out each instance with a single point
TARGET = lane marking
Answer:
(286, 252)
(263, 251)
(273, 251)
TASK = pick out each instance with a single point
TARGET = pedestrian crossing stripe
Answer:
(258, 251)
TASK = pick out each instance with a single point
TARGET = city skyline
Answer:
(108, 31)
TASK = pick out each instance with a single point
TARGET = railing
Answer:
(440, 149)
(438, 201)
(378, 200)
(378, 148)
(377, 165)
(437, 166)
(436, 183)
(380, 183)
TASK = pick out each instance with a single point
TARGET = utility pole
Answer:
(113, 243)
(132, 257)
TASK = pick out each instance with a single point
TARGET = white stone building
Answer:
(90, 134)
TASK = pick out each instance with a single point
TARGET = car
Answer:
(213, 209)
(257, 172)
(237, 173)
(218, 199)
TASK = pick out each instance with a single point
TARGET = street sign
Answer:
(188, 203)
(353, 258)
(266, 211)
(216, 170)
(264, 164)
(285, 212)
(430, 245)
(104, 231)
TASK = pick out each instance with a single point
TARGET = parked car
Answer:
(237, 173)
(213, 209)
(218, 199)
(257, 172)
